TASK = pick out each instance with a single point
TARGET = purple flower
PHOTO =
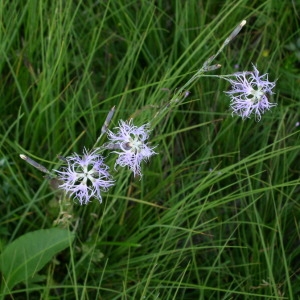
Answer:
(248, 94)
(85, 176)
(131, 142)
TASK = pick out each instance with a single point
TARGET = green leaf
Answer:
(25, 256)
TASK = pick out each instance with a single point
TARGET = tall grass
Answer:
(216, 213)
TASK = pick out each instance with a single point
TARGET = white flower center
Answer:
(257, 94)
(85, 175)
(135, 144)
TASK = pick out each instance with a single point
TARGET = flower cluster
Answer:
(131, 143)
(249, 93)
(85, 176)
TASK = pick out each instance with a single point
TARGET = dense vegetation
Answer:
(216, 213)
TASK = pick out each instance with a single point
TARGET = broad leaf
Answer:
(25, 256)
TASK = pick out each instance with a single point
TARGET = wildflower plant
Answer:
(131, 142)
(85, 177)
(249, 93)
